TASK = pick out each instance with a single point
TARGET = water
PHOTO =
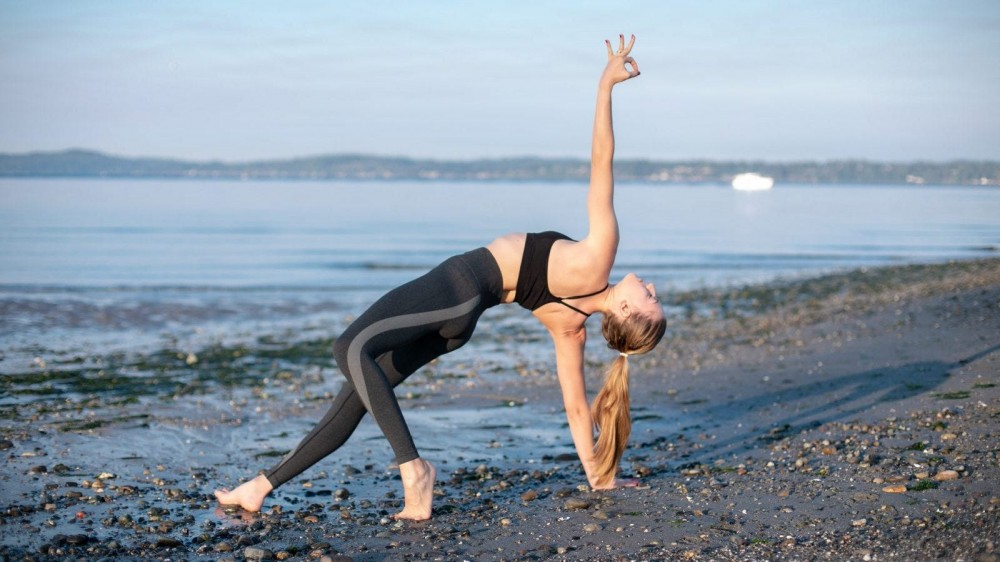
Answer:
(112, 264)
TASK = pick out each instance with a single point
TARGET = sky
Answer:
(729, 79)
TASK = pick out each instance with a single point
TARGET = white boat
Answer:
(752, 182)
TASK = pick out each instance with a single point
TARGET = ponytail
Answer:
(611, 410)
(612, 416)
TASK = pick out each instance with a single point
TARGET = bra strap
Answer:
(567, 305)
(599, 291)
(563, 302)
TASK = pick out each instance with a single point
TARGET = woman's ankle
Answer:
(262, 484)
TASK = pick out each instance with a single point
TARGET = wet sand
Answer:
(853, 416)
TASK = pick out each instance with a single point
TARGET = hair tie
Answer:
(623, 354)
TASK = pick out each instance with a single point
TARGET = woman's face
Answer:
(637, 296)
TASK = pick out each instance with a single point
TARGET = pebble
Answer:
(167, 542)
(895, 489)
(577, 503)
(859, 522)
(529, 495)
(945, 475)
(591, 528)
(78, 539)
(254, 553)
(565, 492)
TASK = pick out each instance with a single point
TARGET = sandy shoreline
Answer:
(852, 416)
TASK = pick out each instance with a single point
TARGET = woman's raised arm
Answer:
(603, 233)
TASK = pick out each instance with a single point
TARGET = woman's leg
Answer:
(413, 338)
(344, 415)
(438, 312)
(403, 330)
(334, 428)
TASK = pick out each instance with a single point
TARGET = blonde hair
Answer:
(632, 335)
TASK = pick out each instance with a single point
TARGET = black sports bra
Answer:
(533, 279)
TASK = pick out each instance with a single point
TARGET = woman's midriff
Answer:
(507, 251)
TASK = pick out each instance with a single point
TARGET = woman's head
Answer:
(634, 325)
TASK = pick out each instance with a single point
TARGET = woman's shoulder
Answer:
(561, 322)
(575, 268)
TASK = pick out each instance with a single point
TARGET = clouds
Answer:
(461, 80)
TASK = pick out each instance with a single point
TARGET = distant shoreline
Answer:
(354, 167)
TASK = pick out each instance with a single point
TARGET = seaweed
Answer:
(924, 485)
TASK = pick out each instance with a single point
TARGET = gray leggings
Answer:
(403, 331)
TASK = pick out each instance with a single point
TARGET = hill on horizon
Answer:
(89, 163)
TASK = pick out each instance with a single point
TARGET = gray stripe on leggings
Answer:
(396, 323)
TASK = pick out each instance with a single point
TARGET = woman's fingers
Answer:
(635, 67)
(623, 50)
(620, 65)
(630, 43)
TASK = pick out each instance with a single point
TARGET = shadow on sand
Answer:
(807, 406)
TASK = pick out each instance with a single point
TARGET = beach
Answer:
(849, 416)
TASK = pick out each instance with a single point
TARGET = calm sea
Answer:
(104, 263)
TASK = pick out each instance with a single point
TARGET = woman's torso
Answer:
(572, 270)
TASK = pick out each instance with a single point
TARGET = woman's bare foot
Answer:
(418, 490)
(249, 495)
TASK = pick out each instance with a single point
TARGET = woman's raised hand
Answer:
(620, 66)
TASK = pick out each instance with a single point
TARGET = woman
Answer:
(436, 313)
